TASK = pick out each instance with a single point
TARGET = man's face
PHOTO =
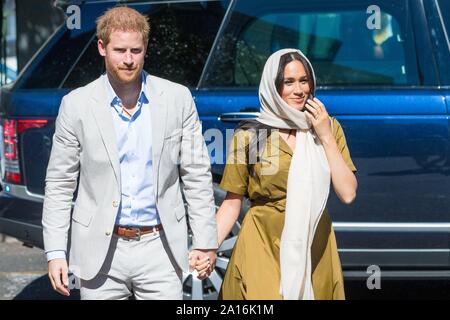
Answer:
(124, 55)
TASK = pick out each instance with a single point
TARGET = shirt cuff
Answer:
(56, 254)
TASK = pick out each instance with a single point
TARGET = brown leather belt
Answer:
(135, 232)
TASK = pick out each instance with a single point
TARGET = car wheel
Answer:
(208, 289)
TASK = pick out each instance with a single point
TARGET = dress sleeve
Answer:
(339, 135)
(236, 174)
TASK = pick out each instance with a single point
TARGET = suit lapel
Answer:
(158, 112)
(102, 115)
(103, 118)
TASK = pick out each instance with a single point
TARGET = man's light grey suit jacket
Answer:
(85, 147)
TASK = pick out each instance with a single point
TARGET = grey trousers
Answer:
(144, 268)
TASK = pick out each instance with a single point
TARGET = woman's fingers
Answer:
(321, 108)
(202, 261)
(203, 266)
(316, 104)
(311, 109)
(319, 104)
(202, 276)
(310, 117)
(313, 103)
(317, 109)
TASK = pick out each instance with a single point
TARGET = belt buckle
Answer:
(138, 236)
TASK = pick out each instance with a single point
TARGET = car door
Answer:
(377, 74)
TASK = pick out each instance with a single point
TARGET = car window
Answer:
(55, 61)
(444, 52)
(334, 35)
(438, 21)
(444, 8)
(181, 37)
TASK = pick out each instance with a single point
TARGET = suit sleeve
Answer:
(195, 172)
(61, 181)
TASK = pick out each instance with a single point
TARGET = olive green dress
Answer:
(254, 268)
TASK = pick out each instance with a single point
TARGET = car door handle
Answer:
(238, 116)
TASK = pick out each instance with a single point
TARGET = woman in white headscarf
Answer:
(284, 163)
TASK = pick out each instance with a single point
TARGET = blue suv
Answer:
(383, 69)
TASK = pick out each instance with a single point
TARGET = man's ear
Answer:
(101, 47)
(145, 49)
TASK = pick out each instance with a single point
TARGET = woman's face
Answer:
(295, 88)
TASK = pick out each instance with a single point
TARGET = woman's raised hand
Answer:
(319, 118)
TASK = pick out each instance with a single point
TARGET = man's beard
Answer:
(123, 76)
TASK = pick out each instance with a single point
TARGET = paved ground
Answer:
(23, 273)
(23, 276)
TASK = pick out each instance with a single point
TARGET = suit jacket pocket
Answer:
(180, 211)
(82, 216)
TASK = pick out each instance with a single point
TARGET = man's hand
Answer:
(203, 260)
(58, 274)
(203, 268)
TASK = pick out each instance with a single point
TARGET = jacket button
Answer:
(115, 204)
(108, 233)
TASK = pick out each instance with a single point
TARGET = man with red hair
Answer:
(126, 140)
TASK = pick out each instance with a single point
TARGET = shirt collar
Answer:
(114, 100)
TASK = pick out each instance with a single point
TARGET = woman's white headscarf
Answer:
(308, 184)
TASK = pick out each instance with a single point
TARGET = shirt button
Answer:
(115, 204)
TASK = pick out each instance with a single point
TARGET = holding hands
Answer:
(203, 261)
